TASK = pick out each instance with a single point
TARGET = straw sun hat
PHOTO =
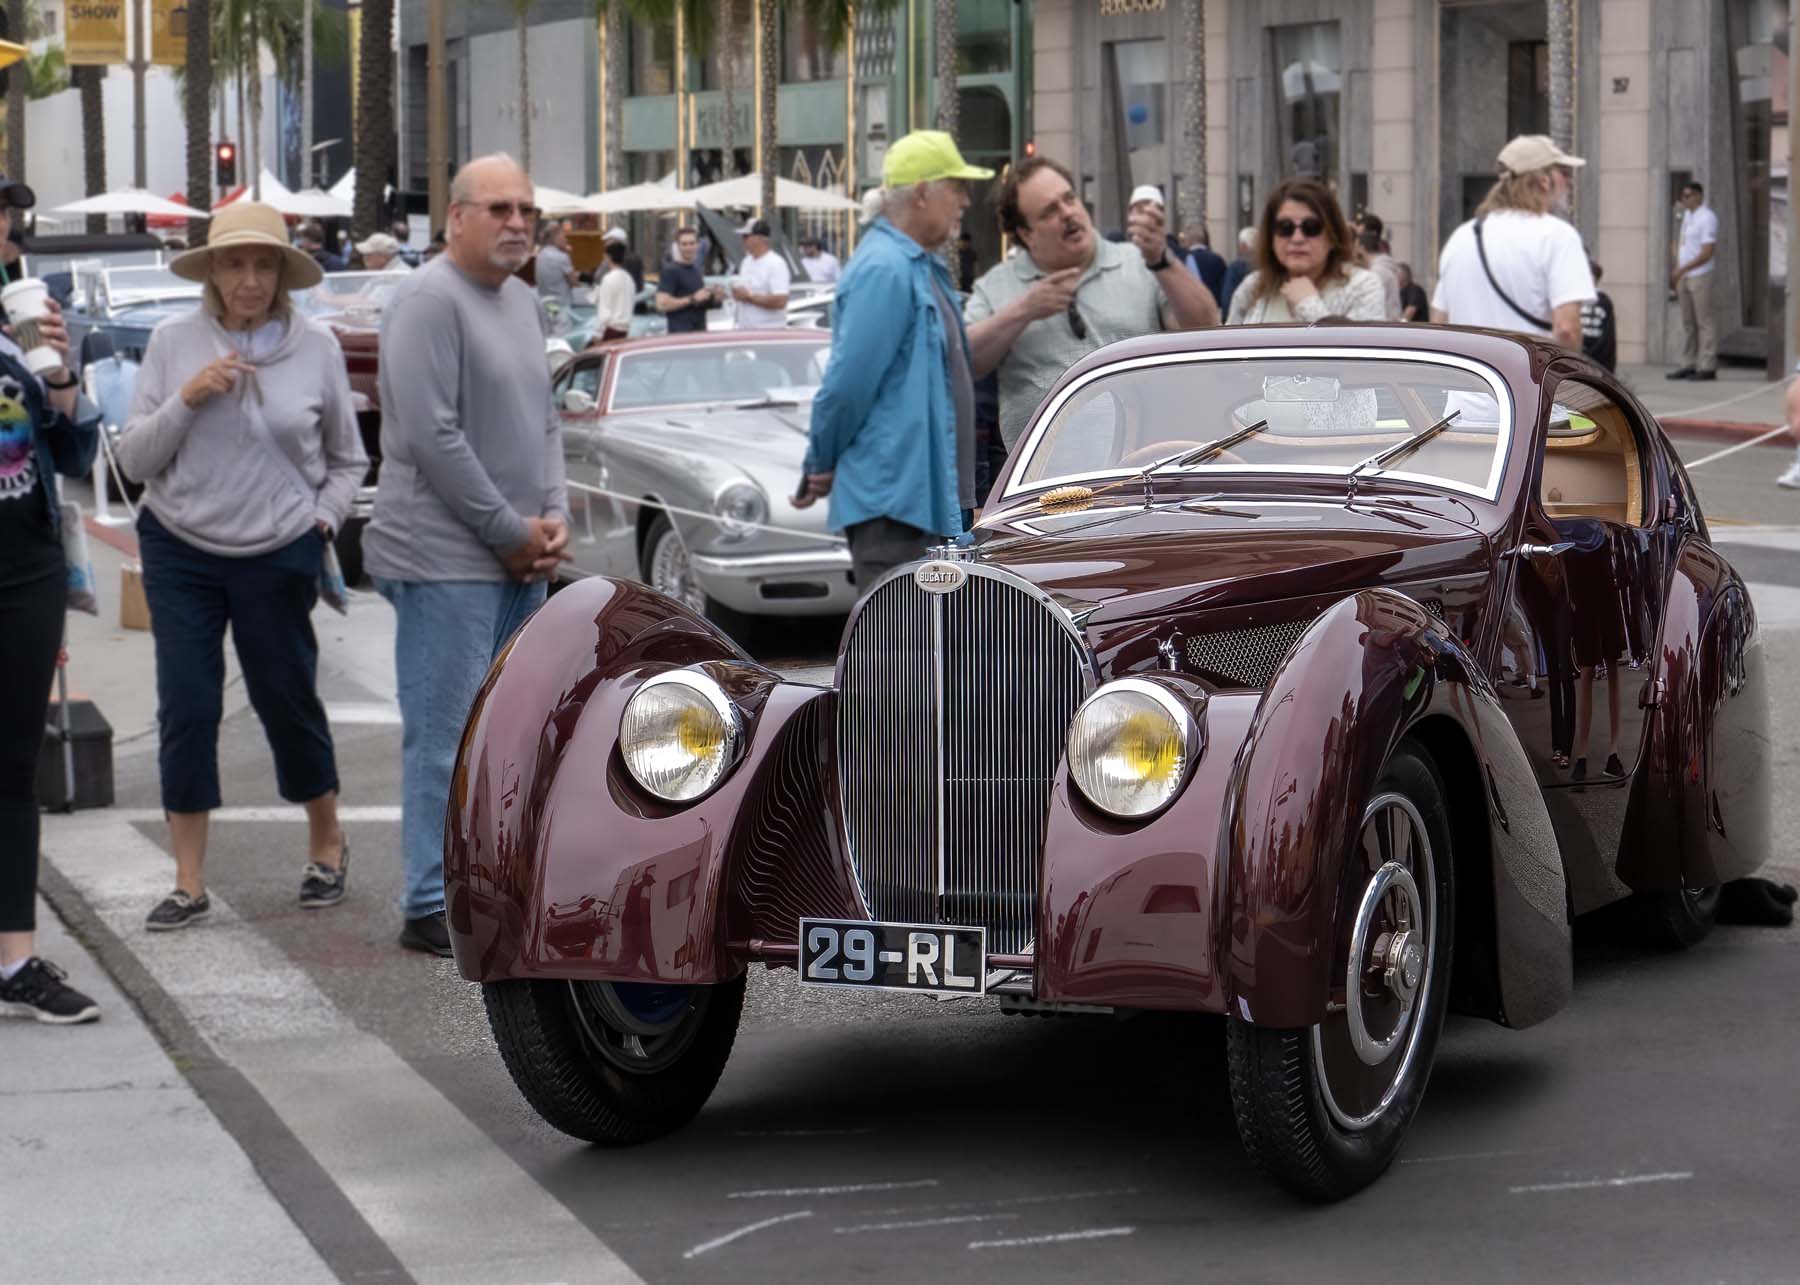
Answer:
(248, 223)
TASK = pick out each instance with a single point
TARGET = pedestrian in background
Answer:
(1240, 267)
(821, 264)
(45, 429)
(761, 287)
(634, 262)
(312, 244)
(1207, 265)
(381, 253)
(1415, 305)
(1599, 328)
(682, 294)
(243, 431)
(964, 261)
(1691, 278)
(892, 439)
(1790, 478)
(1035, 314)
(401, 231)
(1519, 264)
(1369, 255)
(616, 295)
(556, 277)
(1306, 267)
(470, 515)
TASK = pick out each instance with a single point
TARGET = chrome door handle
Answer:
(1544, 550)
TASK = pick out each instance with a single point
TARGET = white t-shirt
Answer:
(1537, 259)
(767, 275)
(1699, 228)
(612, 308)
(822, 267)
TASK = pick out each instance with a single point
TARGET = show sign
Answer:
(94, 32)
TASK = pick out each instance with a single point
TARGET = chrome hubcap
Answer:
(671, 573)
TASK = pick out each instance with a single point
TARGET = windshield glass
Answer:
(1323, 413)
(354, 292)
(147, 282)
(706, 373)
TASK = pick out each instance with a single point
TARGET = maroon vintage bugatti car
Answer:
(1313, 677)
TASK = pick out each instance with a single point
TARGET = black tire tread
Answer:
(541, 1045)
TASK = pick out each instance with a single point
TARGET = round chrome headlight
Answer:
(679, 735)
(1130, 745)
(741, 507)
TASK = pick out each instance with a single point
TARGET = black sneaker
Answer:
(323, 886)
(1686, 372)
(178, 910)
(40, 989)
(427, 933)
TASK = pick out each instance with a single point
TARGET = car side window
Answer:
(1595, 460)
(586, 378)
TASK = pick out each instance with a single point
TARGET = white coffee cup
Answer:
(27, 302)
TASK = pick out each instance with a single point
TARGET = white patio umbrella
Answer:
(131, 200)
(747, 192)
(345, 188)
(313, 204)
(639, 196)
(554, 201)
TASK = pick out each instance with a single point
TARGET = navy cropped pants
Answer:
(267, 600)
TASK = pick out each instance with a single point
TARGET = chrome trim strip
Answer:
(831, 560)
(1488, 374)
(937, 711)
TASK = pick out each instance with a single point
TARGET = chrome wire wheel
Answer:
(638, 1028)
(1363, 1051)
(670, 572)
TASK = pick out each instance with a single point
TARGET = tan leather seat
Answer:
(1596, 474)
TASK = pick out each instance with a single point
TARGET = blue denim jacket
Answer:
(62, 444)
(883, 419)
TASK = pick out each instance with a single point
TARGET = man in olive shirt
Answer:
(682, 294)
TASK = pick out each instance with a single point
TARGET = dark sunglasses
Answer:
(1076, 322)
(500, 211)
(1285, 228)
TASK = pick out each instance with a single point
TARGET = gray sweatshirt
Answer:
(210, 473)
(470, 444)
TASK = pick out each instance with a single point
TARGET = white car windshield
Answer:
(352, 292)
(706, 373)
(126, 285)
(1318, 412)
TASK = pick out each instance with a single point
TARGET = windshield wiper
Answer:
(1194, 454)
(1398, 451)
(764, 403)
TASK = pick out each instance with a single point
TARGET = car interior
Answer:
(1592, 467)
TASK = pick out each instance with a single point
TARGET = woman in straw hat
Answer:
(242, 430)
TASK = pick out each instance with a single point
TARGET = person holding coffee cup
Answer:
(243, 431)
(46, 428)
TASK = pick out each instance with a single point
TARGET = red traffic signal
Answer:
(225, 164)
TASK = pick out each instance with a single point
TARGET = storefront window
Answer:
(983, 37)
(805, 54)
(1308, 89)
(652, 64)
(1527, 87)
(1754, 65)
(742, 51)
(1141, 110)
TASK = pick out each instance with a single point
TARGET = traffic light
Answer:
(225, 163)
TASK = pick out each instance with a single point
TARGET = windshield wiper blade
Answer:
(1194, 454)
(1399, 451)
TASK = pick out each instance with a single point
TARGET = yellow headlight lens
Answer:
(679, 736)
(1129, 748)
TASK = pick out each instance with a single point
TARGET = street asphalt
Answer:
(1646, 1134)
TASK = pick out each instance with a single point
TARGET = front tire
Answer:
(666, 569)
(614, 1064)
(1679, 919)
(1323, 1109)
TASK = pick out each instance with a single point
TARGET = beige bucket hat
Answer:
(248, 223)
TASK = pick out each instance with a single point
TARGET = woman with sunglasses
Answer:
(1306, 264)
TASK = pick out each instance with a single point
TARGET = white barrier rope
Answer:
(706, 517)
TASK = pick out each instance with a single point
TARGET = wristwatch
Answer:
(70, 382)
(1164, 263)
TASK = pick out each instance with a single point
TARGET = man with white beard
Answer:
(1519, 264)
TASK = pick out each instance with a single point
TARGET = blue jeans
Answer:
(449, 633)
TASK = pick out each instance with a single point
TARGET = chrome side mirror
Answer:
(577, 402)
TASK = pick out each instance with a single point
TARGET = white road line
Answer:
(1055, 1238)
(1587, 1184)
(402, 1154)
(1733, 450)
(706, 1247)
(909, 1224)
(370, 813)
(847, 1190)
(370, 713)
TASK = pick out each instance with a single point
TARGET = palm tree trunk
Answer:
(197, 89)
(17, 85)
(1192, 203)
(243, 150)
(948, 97)
(93, 138)
(306, 94)
(375, 114)
(256, 101)
(1560, 20)
(615, 97)
(768, 79)
(727, 46)
(524, 95)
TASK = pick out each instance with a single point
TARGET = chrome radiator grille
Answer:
(951, 724)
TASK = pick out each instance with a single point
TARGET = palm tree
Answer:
(196, 91)
(949, 97)
(374, 113)
(93, 138)
(1193, 114)
(727, 47)
(521, 11)
(767, 84)
(611, 17)
(18, 20)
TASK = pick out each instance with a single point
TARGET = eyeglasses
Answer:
(501, 211)
(1308, 227)
(1077, 323)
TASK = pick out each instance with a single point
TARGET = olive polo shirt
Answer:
(1118, 298)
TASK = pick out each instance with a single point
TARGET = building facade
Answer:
(1402, 106)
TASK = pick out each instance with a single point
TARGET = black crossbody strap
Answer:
(1505, 298)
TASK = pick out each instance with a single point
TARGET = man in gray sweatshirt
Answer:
(471, 516)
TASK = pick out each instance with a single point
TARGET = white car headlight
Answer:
(1130, 745)
(680, 735)
(741, 507)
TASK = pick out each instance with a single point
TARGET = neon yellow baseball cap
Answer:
(923, 155)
